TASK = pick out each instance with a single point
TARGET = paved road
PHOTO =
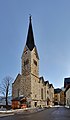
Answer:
(48, 114)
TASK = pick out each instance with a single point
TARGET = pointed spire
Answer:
(30, 18)
(30, 38)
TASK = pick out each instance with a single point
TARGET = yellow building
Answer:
(57, 96)
(62, 97)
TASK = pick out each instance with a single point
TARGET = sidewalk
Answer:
(25, 111)
(28, 111)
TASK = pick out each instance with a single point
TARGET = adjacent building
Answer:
(62, 97)
(67, 91)
(66, 82)
(59, 96)
(28, 84)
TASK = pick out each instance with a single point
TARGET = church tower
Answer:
(30, 67)
(28, 84)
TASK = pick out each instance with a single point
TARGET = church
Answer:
(28, 88)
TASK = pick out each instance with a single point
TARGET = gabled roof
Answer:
(46, 82)
(41, 79)
(30, 37)
(50, 85)
(17, 78)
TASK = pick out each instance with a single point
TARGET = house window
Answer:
(26, 62)
(35, 62)
(41, 93)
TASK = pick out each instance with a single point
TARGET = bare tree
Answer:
(5, 88)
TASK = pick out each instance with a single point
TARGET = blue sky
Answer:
(51, 26)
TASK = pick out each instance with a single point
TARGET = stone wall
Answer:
(16, 87)
(29, 84)
(34, 63)
(26, 70)
(51, 95)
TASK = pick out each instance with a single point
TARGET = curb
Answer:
(29, 112)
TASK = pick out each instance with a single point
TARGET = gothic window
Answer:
(35, 104)
(26, 62)
(41, 93)
(47, 92)
(35, 62)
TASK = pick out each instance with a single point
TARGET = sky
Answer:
(51, 27)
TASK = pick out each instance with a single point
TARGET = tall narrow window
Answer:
(26, 62)
(35, 62)
(41, 93)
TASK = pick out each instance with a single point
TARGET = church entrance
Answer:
(35, 104)
(48, 101)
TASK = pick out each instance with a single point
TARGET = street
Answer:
(57, 113)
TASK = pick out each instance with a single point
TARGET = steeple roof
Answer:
(30, 37)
